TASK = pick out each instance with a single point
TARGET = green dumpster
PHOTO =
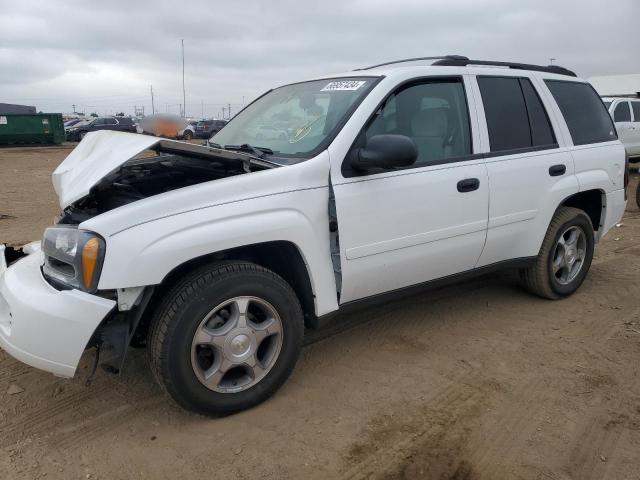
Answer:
(38, 128)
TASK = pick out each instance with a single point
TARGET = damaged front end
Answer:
(157, 167)
(106, 171)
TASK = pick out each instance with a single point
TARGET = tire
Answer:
(541, 278)
(176, 360)
(638, 195)
(188, 135)
(81, 136)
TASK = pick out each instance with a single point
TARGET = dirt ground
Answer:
(475, 381)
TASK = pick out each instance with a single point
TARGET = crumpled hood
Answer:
(97, 155)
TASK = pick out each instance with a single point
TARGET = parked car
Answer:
(72, 122)
(393, 179)
(119, 124)
(207, 128)
(189, 131)
(626, 115)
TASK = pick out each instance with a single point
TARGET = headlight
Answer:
(73, 257)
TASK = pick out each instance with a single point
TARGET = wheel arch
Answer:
(592, 202)
(282, 257)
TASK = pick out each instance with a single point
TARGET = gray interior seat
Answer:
(430, 130)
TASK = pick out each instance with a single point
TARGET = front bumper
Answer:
(41, 326)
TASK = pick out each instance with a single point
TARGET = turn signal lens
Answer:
(89, 261)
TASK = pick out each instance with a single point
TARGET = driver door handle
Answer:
(468, 185)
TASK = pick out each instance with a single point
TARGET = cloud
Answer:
(105, 55)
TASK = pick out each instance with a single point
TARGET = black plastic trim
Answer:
(516, 151)
(421, 287)
(457, 62)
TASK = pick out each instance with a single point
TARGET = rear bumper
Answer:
(41, 326)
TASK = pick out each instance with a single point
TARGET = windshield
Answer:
(295, 120)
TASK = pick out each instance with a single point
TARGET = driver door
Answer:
(406, 226)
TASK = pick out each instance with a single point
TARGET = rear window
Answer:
(584, 112)
(516, 118)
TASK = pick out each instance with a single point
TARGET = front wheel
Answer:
(565, 256)
(226, 337)
(188, 135)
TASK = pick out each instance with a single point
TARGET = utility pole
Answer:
(184, 94)
(551, 60)
(153, 107)
(223, 109)
(229, 112)
(74, 108)
(202, 106)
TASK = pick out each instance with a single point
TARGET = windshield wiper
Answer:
(245, 147)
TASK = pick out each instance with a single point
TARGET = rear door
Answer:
(530, 167)
(624, 125)
(634, 144)
(402, 227)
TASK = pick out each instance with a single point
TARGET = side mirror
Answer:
(385, 151)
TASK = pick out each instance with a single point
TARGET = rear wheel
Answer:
(565, 256)
(226, 338)
(188, 135)
(638, 195)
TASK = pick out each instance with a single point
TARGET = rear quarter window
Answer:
(584, 112)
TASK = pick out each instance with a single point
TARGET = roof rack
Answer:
(441, 57)
(461, 61)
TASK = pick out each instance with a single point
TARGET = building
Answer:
(617, 85)
(7, 108)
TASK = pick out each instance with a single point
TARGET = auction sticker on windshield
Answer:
(343, 85)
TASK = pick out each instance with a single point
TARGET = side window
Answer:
(110, 121)
(622, 112)
(636, 111)
(506, 113)
(434, 114)
(583, 110)
(516, 117)
(541, 131)
(99, 122)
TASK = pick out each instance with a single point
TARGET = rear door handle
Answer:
(557, 170)
(468, 185)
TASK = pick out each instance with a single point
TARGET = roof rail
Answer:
(441, 57)
(463, 62)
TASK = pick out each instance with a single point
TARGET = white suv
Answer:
(389, 178)
(626, 115)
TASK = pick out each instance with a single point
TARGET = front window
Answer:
(296, 120)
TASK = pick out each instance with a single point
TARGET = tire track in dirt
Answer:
(46, 414)
(508, 433)
(598, 440)
(390, 441)
(95, 426)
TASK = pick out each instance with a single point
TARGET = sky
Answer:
(103, 56)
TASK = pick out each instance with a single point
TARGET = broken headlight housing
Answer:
(73, 257)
